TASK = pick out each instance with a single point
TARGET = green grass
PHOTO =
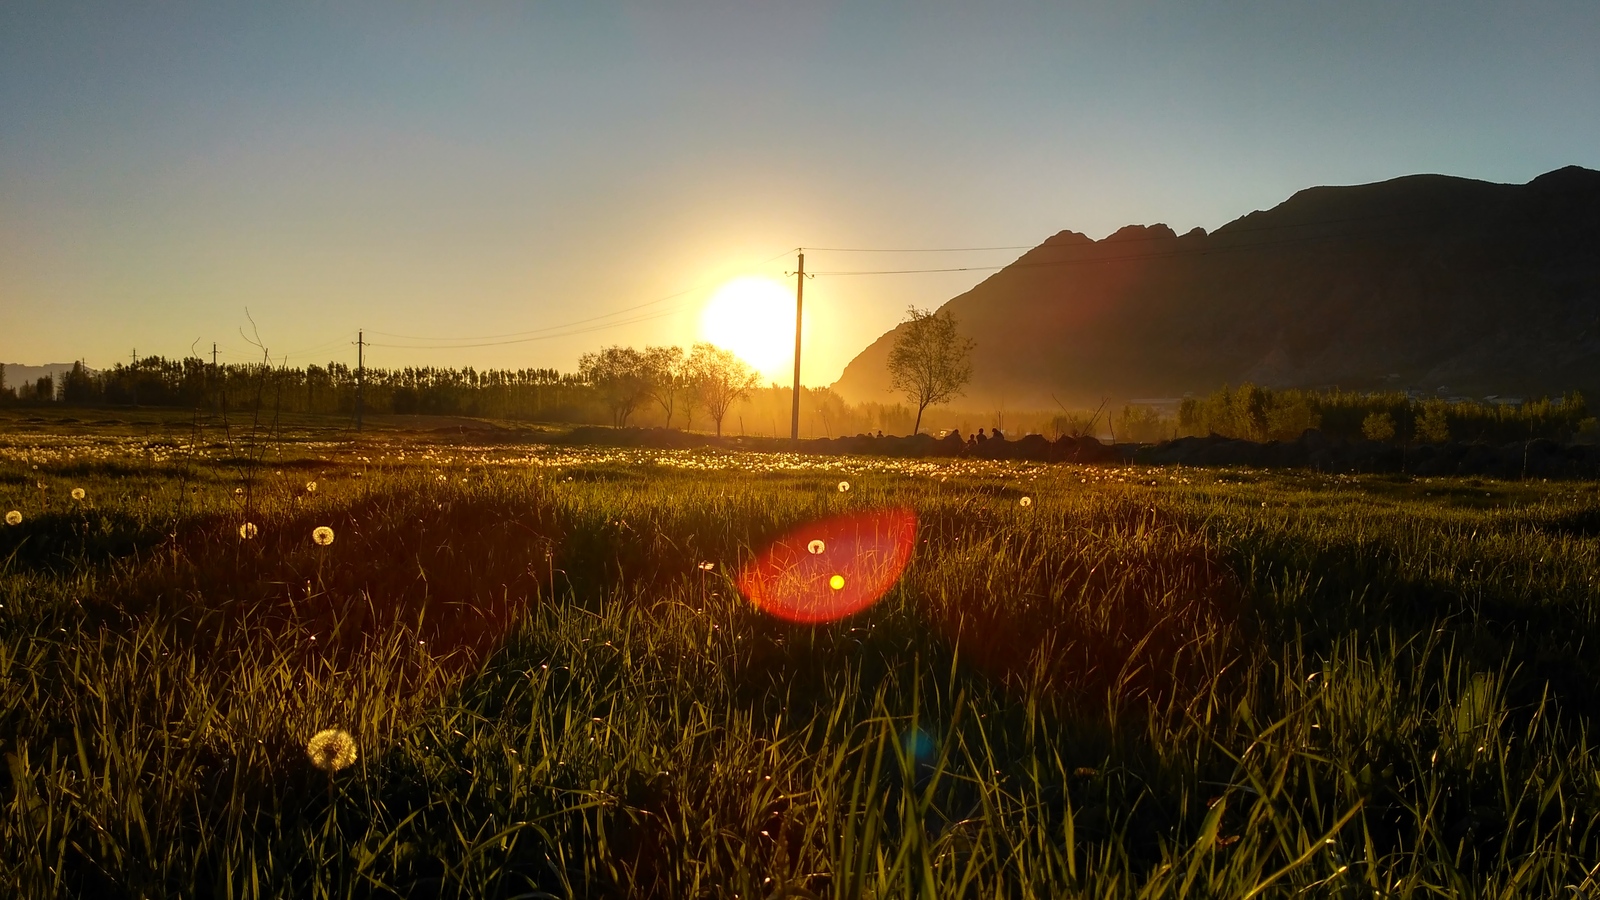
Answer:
(1149, 682)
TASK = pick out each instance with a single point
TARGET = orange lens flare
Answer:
(829, 569)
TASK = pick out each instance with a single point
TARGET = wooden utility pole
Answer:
(799, 297)
(361, 375)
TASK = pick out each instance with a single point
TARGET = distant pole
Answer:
(799, 298)
(213, 356)
(133, 379)
(361, 375)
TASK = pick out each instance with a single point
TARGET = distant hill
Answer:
(16, 373)
(1425, 282)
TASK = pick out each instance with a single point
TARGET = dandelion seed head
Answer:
(13, 518)
(311, 487)
(1026, 501)
(707, 566)
(844, 487)
(323, 535)
(816, 546)
(77, 493)
(247, 530)
(331, 749)
(238, 492)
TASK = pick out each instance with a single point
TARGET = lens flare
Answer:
(866, 552)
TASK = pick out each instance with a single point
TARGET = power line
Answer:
(1091, 260)
(916, 249)
(543, 337)
(1127, 240)
(507, 337)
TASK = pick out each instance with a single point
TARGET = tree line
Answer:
(1259, 414)
(705, 387)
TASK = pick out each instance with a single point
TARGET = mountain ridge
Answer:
(1422, 282)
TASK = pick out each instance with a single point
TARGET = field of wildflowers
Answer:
(400, 666)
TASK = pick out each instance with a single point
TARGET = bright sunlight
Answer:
(753, 317)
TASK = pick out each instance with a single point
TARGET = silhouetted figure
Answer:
(995, 433)
(981, 436)
(880, 432)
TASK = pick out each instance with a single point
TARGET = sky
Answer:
(515, 184)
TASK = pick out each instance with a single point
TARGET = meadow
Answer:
(1088, 681)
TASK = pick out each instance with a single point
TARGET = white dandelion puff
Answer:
(331, 749)
(844, 487)
(247, 530)
(323, 535)
(1025, 501)
(13, 518)
(816, 546)
(311, 487)
(77, 494)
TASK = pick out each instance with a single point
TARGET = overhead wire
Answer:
(609, 320)
(515, 337)
(1091, 260)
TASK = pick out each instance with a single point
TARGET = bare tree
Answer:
(619, 374)
(719, 378)
(930, 362)
(664, 372)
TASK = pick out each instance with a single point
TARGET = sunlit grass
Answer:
(1091, 681)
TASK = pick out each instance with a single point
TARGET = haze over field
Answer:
(466, 185)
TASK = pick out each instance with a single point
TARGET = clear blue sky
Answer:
(424, 170)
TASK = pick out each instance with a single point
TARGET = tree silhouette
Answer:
(719, 378)
(930, 362)
(621, 377)
(664, 373)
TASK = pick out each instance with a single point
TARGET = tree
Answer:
(930, 362)
(719, 379)
(664, 373)
(619, 374)
(1378, 426)
(1432, 426)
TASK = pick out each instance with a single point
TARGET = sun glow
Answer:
(753, 317)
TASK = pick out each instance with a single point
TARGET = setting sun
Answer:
(753, 317)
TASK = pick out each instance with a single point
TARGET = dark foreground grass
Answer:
(1155, 683)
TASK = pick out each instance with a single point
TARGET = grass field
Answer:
(1143, 682)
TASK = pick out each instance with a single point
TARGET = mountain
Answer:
(16, 373)
(1426, 282)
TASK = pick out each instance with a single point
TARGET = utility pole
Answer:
(133, 377)
(361, 375)
(213, 381)
(799, 297)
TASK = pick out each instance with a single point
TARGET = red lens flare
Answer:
(828, 569)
